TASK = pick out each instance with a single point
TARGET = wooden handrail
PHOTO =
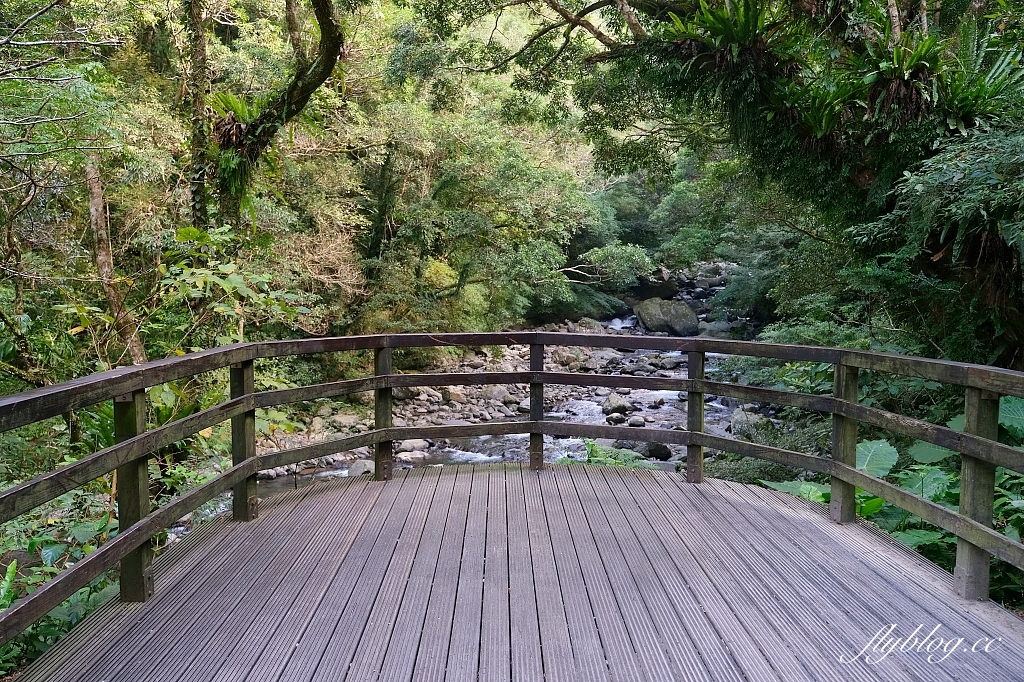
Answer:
(981, 453)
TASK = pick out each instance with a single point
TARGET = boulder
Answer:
(360, 467)
(411, 456)
(496, 392)
(669, 363)
(616, 404)
(615, 418)
(454, 394)
(673, 317)
(636, 420)
(402, 393)
(412, 445)
(588, 325)
(345, 421)
(716, 330)
(600, 359)
(745, 423)
(658, 451)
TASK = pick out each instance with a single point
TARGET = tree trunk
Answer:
(291, 20)
(198, 87)
(895, 22)
(125, 324)
(250, 139)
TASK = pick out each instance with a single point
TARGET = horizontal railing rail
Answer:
(978, 445)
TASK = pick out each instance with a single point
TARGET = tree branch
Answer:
(631, 21)
(291, 20)
(32, 17)
(581, 22)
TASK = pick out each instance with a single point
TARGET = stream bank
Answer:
(454, 405)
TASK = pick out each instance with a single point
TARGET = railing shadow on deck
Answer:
(981, 453)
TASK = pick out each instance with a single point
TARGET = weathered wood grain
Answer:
(980, 535)
(37, 404)
(28, 495)
(26, 611)
(695, 417)
(843, 500)
(588, 572)
(978, 447)
(133, 497)
(977, 495)
(383, 450)
(536, 406)
(243, 440)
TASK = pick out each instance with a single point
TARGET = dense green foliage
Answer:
(178, 176)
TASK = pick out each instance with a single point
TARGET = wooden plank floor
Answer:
(500, 573)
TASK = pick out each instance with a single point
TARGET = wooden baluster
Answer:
(977, 491)
(695, 417)
(243, 441)
(383, 452)
(536, 407)
(133, 497)
(843, 501)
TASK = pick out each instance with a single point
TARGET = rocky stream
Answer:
(685, 313)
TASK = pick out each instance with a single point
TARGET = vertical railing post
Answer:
(383, 452)
(243, 441)
(977, 491)
(695, 417)
(133, 497)
(843, 501)
(536, 407)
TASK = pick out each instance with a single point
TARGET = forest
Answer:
(176, 176)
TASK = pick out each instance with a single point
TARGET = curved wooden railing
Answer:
(981, 453)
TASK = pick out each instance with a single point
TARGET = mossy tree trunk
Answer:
(248, 141)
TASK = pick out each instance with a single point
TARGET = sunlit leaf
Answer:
(876, 457)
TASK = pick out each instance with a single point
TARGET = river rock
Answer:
(360, 467)
(673, 317)
(402, 393)
(658, 451)
(524, 406)
(745, 423)
(669, 363)
(615, 403)
(413, 444)
(411, 456)
(601, 358)
(588, 325)
(345, 421)
(495, 392)
(636, 420)
(615, 418)
(454, 394)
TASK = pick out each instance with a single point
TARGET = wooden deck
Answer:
(498, 572)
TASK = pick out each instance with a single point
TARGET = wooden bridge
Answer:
(512, 572)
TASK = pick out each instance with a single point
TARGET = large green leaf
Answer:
(51, 553)
(929, 482)
(917, 537)
(928, 453)
(808, 491)
(1011, 415)
(1011, 411)
(876, 457)
(870, 506)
